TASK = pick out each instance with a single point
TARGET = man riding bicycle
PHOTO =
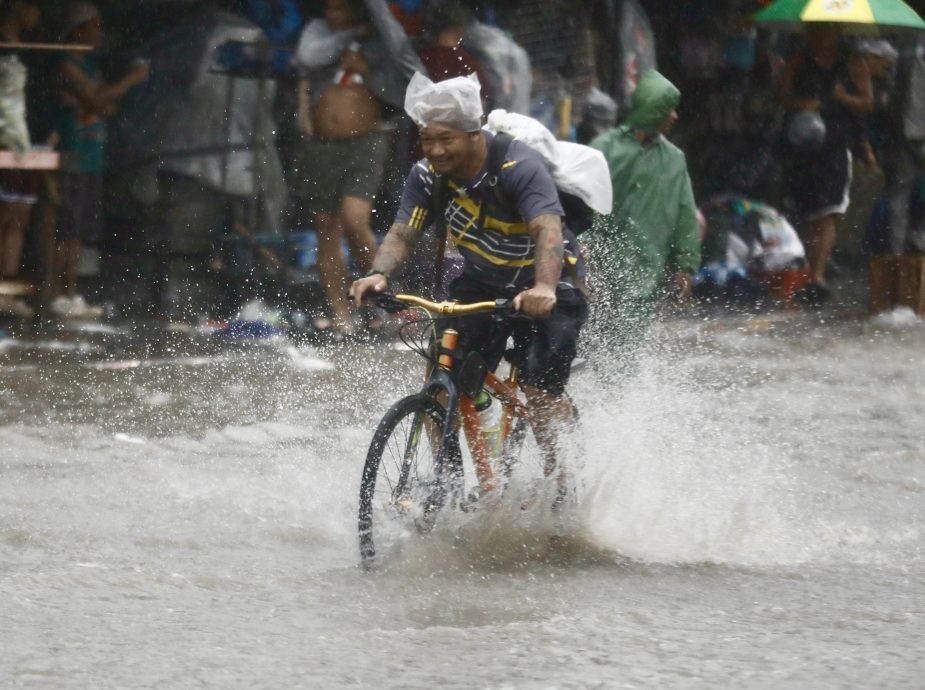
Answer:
(517, 250)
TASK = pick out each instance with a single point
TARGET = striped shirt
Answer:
(500, 252)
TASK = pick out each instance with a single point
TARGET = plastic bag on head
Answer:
(456, 102)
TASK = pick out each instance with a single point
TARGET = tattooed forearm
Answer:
(395, 248)
(546, 231)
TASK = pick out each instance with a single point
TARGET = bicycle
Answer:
(415, 465)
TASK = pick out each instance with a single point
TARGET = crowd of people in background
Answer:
(811, 124)
(75, 111)
(774, 119)
(18, 189)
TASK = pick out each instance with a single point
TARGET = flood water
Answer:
(176, 512)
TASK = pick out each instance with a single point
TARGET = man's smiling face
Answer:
(449, 150)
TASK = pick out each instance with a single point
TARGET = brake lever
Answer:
(387, 302)
(504, 311)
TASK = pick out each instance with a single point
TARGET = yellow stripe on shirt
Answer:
(490, 222)
(417, 217)
(511, 263)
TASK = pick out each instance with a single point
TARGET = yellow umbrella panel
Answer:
(861, 16)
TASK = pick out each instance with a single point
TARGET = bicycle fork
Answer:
(448, 458)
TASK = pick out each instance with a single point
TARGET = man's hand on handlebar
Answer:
(375, 283)
(537, 302)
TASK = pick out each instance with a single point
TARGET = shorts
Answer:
(332, 169)
(80, 209)
(19, 186)
(820, 181)
(544, 348)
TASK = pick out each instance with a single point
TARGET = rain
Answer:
(188, 397)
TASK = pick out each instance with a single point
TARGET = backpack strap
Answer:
(439, 198)
(497, 150)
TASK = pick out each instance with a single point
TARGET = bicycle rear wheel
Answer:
(406, 478)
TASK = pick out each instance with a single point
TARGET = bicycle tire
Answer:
(406, 480)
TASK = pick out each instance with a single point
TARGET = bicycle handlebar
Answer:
(394, 303)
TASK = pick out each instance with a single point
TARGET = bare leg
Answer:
(548, 413)
(900, 183)
(819, 245)
(11, 236)
(15, 231)
(332, 266)
(6, 231)
(355, 216)
(67, 257)
(13, 219)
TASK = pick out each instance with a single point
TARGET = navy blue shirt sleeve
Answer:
(414, 208)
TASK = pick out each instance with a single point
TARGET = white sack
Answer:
(575, 168)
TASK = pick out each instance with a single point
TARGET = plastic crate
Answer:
(784, 284)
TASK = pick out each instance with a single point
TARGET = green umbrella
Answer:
(855, 16)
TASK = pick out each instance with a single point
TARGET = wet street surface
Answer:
(179, 510)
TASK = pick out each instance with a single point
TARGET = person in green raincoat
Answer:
(650, 242)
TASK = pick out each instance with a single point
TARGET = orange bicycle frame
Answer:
(506, 392)
(504, 389)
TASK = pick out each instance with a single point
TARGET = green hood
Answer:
(654, 98)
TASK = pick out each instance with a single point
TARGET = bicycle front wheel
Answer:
(406, 478)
